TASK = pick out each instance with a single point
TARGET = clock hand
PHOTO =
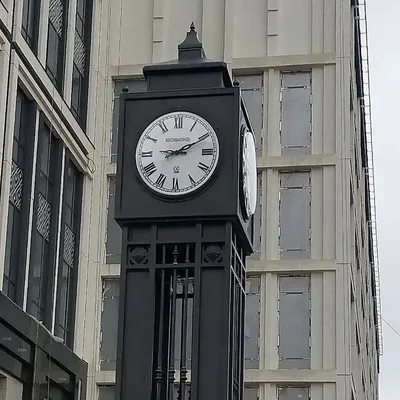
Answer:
(188, 146)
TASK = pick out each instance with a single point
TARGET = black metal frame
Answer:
(208, 258)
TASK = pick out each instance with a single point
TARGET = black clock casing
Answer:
(221, 197)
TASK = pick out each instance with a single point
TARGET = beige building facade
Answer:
(313, 311)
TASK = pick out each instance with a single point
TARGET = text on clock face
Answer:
(177, 153)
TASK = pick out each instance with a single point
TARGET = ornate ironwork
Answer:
(56, 15)
(213, 253)
(138, 255)
(43, 220)
(69, 246)
(79, 53)
(16, 184)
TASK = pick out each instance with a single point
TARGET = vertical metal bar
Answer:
(159, 371)
(171, 359)
(183, 370)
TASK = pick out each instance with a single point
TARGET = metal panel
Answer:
(295, 216)
(293, 393)
(258, 221)
(295, 179)
(296, 79)
(296, 116)
(252, 324)
(107, 393)
(109, 323)
(114, 233)
(294, 284)
(294, 323)
(133, 85)
(252, 93)
(250, 393)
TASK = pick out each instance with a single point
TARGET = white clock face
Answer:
(177, 153)
(249, 171)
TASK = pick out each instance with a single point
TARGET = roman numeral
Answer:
(175, 184)
(150, 169)
(149, 137)
(207, 152)
(192, 181)
(195, 122)
(147, 154)
(203, 167)
(161, 180)
(178, 122)
(202, 137)
(163, 126)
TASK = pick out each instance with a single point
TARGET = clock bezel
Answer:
(198, 190)
(243, 130)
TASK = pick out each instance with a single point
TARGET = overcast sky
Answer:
(384, 56)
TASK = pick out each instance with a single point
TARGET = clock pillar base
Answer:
(181, 312)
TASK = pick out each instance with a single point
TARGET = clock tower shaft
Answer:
(182, 312)
(183, 265)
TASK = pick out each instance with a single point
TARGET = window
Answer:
(250, 393)
(107, 393)
(294, 313)
(296, 114)
(293, 393)
(258, 221)
(14, 267)
(114, 235)
(45, 218)
(30, 22)
(252, 323)
(295, 215)
(252, 93)
(80, 74)
(109, 323)
(56, 42)
(135, 85)
(67, 273)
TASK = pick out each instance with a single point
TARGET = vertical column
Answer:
(43, 30)
(158, 31)
(6, 159)
(69, 50)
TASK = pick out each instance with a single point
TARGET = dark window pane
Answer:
(68, 258)
(56, 42)
(109, 323)
(19, 203)
(43, 241)
(80, 78)
(30, 22)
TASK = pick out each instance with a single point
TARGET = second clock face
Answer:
(177, 153)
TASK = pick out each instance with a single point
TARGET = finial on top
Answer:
(191, 48)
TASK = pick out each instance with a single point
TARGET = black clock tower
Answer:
(185, 198)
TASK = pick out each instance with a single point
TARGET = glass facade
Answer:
(19, 197)
(43, 238)
(30, 22)
(55, 58)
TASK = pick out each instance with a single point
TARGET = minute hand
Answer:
(188, 146)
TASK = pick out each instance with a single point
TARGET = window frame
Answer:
(83, 91)
(30, 131)
(49, 269)
(78, 198)
(58, 81)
